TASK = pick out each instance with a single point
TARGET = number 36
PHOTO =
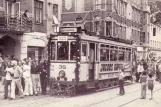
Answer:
(62, 66)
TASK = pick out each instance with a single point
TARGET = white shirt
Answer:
(8, 75)
(121, 76)
(1, 61)
(159, 67)
(26, 71)
(140, 68)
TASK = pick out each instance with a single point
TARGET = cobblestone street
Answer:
(98, 99)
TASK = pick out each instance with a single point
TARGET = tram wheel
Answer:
(71, 91)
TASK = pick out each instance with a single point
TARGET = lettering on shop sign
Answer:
(62, 66)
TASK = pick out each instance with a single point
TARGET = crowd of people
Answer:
(25, 78)
(148, 72)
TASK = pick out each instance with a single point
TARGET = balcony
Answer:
(15, 24)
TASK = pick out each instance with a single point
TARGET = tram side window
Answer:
(84, 51)
(128, 55)
(53, 51)
(104, 53)
(113, 54)
(73, 50)
(62, 50)
(121, 55)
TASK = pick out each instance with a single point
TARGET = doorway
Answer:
(91, 61)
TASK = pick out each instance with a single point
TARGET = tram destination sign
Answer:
(62, 38)
(69, 29)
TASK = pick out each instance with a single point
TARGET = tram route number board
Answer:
(62, 38)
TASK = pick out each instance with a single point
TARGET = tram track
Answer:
(136, 99)
(108, 99)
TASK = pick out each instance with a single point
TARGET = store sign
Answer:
(62, 38)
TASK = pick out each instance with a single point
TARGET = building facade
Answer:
(155, 40)
(24, 27)
(123, 19)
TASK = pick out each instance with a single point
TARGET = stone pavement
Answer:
(99, 99)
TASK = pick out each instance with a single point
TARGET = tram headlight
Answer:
(58, 78)
(62, 74)
(65, 78)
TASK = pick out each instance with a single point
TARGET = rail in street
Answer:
(94, 99)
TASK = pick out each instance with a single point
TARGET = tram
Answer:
(79, 60)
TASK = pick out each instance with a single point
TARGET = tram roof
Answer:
(105, 41)
(97, 39)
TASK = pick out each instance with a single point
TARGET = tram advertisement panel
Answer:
(111, 70)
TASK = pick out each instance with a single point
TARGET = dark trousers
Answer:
(43, 84)
(121, 86)
(138, 76)
(7, 83)
(160, 77)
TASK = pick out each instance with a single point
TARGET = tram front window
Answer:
(62, 50)
(73, 50)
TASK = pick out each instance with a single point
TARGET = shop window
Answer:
(35, 53)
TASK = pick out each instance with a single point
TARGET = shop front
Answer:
(33, 46)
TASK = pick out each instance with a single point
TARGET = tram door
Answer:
(91, 61)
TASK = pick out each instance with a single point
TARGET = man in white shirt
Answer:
(121, 82)
(27, 77)
(16, 80)
(8, 80)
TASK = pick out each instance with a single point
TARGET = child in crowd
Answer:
(151, 84)
(143, 81)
